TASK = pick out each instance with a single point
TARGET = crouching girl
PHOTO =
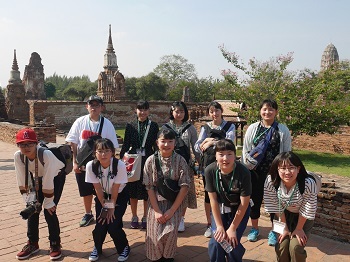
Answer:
(108, 175)
(164, 215)
(229, 187)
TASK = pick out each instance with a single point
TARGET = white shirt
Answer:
(121, 177)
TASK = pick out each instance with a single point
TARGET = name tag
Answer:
(160, 198)
(278, 227)
(108, 204)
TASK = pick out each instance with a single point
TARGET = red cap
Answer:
(26, 135)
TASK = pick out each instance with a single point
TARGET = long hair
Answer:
(103, 143)
(179, 104)
(216, 105)
(286, 157)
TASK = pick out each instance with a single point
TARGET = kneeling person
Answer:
(41, 186)
(229, 187)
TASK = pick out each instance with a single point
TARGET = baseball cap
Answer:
(95, 98)
(26, 135)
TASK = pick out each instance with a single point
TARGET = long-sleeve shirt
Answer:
(277, 200)
(47, 172)
(230, 134)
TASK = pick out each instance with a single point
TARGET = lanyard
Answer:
(145, 134)
(36, 178)
(258, 137)
(288, 202)
(106, 187)
(218, 174)
(99, 122)
(211, 125)
(171, 167)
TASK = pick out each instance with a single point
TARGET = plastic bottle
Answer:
(225, 245)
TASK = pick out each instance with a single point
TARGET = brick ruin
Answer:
(34, 78)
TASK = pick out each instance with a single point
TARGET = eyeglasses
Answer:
(285, 169)
(94, 105)
(101, 152)
(22, 145)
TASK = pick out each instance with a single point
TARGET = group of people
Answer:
(234, 189)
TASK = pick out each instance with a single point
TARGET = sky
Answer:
(71, 35)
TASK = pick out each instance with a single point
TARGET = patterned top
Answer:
(292, 200)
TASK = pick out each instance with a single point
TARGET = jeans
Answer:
(51, 220)
(115, 229)
(216, 252)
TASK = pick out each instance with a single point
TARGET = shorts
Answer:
(85, 189)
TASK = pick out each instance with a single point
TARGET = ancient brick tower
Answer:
(34, 78)
(16, 105)
(111, 83)
(329, 57)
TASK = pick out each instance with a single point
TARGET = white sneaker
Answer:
(181, 225)
(208, 232)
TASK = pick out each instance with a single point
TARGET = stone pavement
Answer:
(77, 242)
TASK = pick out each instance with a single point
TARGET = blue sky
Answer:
(71, 36)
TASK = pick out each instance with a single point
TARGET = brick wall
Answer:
(8, 132)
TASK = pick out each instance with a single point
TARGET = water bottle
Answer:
(225, 245)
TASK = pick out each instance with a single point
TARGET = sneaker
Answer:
(86, 220)
(134, 222)
(125, 254)
(272, 239)
(253, 235)
(94, 255)
(181, 225)
(28, 250)
(144, 223)
(208, 232)
(55, 251)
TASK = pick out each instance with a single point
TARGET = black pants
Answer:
(51, 220)
(115, 229)
(258, 181)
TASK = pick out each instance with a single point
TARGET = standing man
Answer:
(41, 185)
(83, 128)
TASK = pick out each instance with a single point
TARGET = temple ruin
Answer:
(34, 78)
(329, 57)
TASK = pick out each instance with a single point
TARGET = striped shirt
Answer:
(278, 200)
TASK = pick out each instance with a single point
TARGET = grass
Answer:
(120, 131)
(325, 162)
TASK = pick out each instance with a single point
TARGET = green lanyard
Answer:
(218, 175)
(288, 202)
(106, 188)
(99, 122)
(258, 137)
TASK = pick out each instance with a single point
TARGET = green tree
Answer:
(130, 87)
(174, 69)
(50, 89)
(151, 87)
(309, 103)
(80, 90)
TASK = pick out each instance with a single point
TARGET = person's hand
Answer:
(168, 214)
(159, 217)
(300, 234)
(219, 234)
(102, 218)
(76, 168)
(52, 210)
(232, 238)
(207, 143)
(285, 234)
(110, 215)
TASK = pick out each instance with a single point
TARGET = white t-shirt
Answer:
(83, 128)
(121, 177)
(47, 172)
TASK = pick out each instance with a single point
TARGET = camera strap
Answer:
(35, 180)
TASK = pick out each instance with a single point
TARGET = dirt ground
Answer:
(337, 143)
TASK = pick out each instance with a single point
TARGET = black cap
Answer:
(95, 98)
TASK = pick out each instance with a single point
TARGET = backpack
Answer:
(180, 146)
(315, 177)
(96, 164)
(208, 156)
(62, 152)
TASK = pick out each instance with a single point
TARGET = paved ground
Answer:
(77, 242)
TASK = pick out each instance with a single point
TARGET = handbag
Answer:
(85, 155)
(256, 155)
(133, 162)
(166, 187)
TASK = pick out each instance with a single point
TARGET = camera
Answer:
(32, 207)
